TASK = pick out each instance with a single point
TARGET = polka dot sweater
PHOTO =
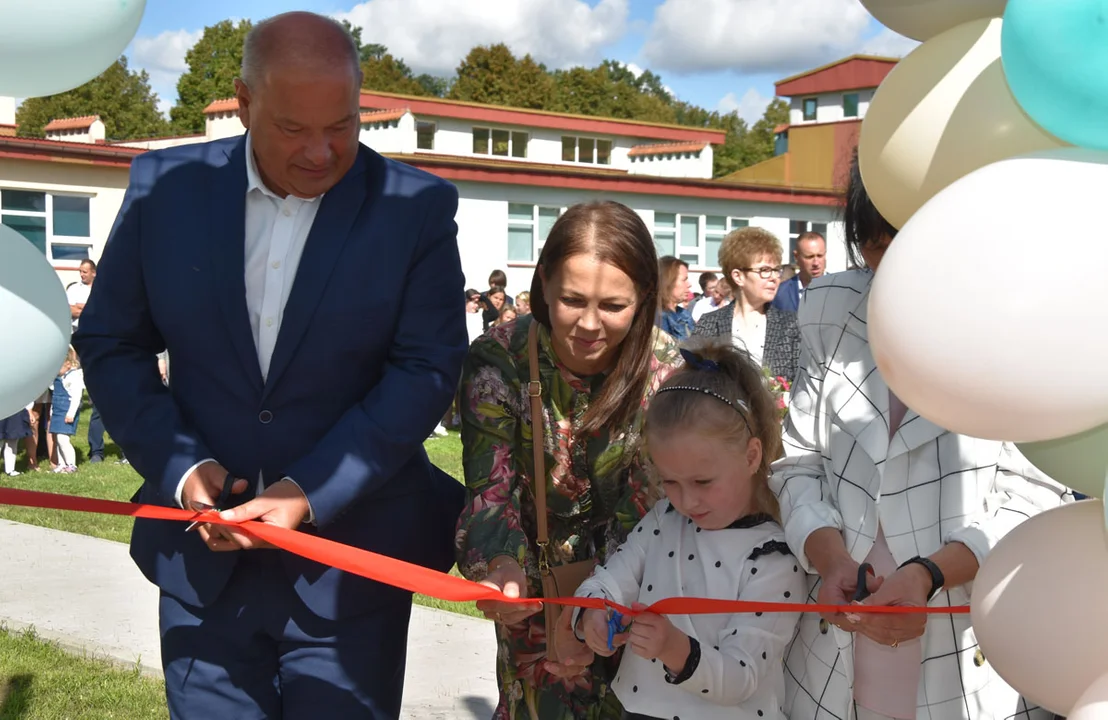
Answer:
(740, 672)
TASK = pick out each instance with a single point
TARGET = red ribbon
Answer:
(416, 578)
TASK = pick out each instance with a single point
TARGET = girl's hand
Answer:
(655, 637)
(68, 419)
(507, 577)
(595, 623)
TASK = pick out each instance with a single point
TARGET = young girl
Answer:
(12, 430)
(507, 315)
(711, 433)
(68, 388)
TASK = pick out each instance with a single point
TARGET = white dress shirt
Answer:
(77, 294)
(752, 338)
(276, 233)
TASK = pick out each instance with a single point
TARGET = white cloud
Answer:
(434, 35)
(889, 44)
(163, 56)
(751, 106)
(753, 36)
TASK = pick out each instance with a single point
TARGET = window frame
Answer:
(52, 239)
(857, 105)
(595, 140)
(683, 250)
(534, 224)
(512, 137)
(810, 226)
(434, 131)
(804, 109)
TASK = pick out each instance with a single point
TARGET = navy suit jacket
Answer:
(366, 362)
(788, 295)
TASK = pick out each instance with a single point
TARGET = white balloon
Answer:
(36, 322)
(924, 19)
(976, 317)
(50, 47)
(1093, 703)
(1035, 604)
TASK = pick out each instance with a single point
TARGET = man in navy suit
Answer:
(811, 258)
(310, 294)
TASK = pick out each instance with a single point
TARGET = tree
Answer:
(214, 62)
(388, 74)
(433, 85)
(121, 97)
(492, 75)
(758, 145)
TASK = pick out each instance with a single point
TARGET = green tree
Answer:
(214, 62)
(493, 75)
(434, 85)
(758, 144)
(121, 97)
(388, 74)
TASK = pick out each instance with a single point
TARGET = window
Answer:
(425, 135)
(586, 150)
(781, 143)
(665, 233)
(810, 107)
(798, 228)
(850, 105)
(528, 226)
(58, 225)
(503, 143)
(716, 228)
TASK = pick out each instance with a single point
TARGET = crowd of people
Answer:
(620, 438)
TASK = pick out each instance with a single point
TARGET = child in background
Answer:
(523, 303)
(711, 433)
(68, 389)
(507, 315)
(12, 430)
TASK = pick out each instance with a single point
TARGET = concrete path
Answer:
(87, 595)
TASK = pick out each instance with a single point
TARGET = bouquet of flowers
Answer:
(780, 388)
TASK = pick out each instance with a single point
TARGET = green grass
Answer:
(111, 481)
(41, 681)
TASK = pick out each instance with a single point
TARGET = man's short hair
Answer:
(706, 278)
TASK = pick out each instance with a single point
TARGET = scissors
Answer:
(220, 504)
(862, 592)
(615, 626)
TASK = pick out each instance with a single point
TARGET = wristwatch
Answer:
(937, 578)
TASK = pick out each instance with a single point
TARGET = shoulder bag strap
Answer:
(534, 391)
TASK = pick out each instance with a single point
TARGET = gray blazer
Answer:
(782, 352)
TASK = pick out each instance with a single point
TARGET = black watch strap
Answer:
(937, 578)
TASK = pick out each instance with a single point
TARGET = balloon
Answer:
(924, 19)
(974, 316)
(1093, 703)
(50, 47)
(36, 322)
(1079, 461)
(1035, 604)
(944, 111)
(1054, 56)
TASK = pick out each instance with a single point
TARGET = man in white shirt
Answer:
(77, 294)
(301, 393)
(709, 299)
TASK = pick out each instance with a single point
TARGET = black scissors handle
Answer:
(225, 493)
(862, 592)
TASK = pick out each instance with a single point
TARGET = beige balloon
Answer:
(1032, 600)
(943, 112)
(1093, 703)
(924, 19)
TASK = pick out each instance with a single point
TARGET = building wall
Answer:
(164, 142)
(394, 136)
(675, 165)
(223, 124)
(829, 106)
(483, 225)
(103, 185)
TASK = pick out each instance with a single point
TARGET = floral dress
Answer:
(597, 491)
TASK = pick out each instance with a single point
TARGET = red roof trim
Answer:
(504, 174)
(18, 148)
(74, 123)
(664, 148)
(857, 72)
(376, 116)
(222, 105)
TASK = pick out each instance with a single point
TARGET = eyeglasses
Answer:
(765, 272)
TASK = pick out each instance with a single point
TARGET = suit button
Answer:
(265, 417)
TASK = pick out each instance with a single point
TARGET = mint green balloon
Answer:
(50, 46)
(1078, 461)
(1055, 57)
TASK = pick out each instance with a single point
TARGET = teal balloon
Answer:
(50, 46)
(1055, 57)
(1078, 461)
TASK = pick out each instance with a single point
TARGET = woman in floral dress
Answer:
(594, 297)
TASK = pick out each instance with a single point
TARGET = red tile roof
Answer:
(19, 148)
(222, 106)
(780, 128)
(383, 115)
(76, 123)
(664, 148)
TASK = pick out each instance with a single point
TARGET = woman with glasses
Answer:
(751, 261)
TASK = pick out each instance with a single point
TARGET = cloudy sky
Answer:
(719, 54)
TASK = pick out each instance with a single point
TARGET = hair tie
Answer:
(697, 362)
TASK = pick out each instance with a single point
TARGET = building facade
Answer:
(516, 171)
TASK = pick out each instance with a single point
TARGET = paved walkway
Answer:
(86, 594)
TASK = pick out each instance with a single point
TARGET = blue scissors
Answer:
(220, 504)
(615, 626)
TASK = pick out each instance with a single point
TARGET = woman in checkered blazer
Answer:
(867, 480)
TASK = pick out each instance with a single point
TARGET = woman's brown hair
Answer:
(617, 236)
(749, 411)
(669, 268)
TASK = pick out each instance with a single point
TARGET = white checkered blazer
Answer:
(928, 487)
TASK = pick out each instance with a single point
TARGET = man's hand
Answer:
(203, 486)
(282, 504)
